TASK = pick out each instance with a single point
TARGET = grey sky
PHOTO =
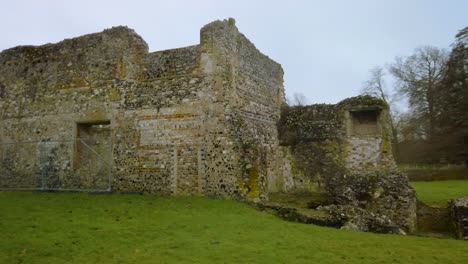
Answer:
(325, 47)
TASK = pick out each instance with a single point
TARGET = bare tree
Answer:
(376, 86)
(419, 76)
(298, 99)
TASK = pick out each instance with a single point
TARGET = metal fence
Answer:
(82, 164)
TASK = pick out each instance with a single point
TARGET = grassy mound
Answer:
(81, 228)
(438, 193)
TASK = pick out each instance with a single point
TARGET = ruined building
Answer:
(208, 119)
(193, 120)
(346, 148)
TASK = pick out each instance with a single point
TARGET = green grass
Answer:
(81, 228)
(438, 193)
(429, 166)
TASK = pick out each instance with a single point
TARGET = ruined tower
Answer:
(197, 120)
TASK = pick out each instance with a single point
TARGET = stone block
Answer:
(459, 208)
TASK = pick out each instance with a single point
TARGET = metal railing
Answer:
(83, 164)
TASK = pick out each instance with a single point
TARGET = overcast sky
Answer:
(326, 48)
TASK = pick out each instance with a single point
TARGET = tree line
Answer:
(434, 84)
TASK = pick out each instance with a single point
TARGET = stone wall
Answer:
(459, 216)
(433, 219)
(173, 62)
(193, 120)
(249, 87)
(345, 149)
(327, 139)
(314, 136)
(368, 134)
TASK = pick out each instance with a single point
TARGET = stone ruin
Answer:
(459, 217)
(208, 119)
(346, 149)
(198, 120)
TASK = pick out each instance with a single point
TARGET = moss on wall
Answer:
(362, 102)
(319, 137)
(315, 136)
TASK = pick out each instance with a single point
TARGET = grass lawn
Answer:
(440, 192)
(82, 228)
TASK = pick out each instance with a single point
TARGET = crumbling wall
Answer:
(51, 88)
(109, 77)
(368, 134)
(251, 93)
(459, 217)
(314, 136)
(351, 160)
(173, 62)
(193, 120)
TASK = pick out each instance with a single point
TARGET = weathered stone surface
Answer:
(299, 215)
(355, 218)
(433, 219)
(459, 208)
(345, 150)
(327, 140)
(380, 192)
(194, 120)
(208, 119)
